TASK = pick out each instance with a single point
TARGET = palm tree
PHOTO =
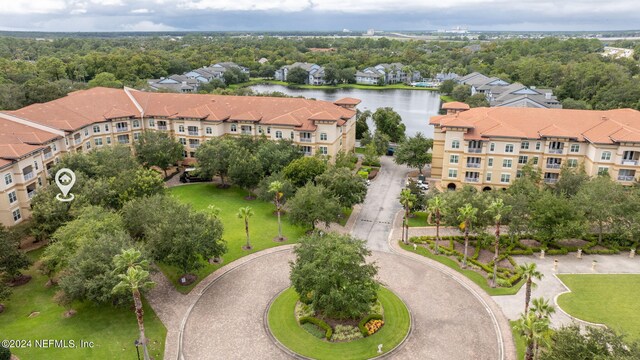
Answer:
(497, 209)
(529, 272)
(245, 213)
(436, 207)
(407, 199)
(534, 330)
(275, 187)
(467, 214)
(131, 269)
(542, 310)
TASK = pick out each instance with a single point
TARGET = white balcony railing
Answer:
(471, 179)
(474, 150)
(162, 127)
(307, 140)
(30, 194)
(77, 141)
(553, 166)
(625, 177)
(629, 162)
(550, 180)
(48, 155)
(28, 176)
(246, 132)
(193, 133)
(555, 151)
(473, 165)
(194, 146)
(122, 129)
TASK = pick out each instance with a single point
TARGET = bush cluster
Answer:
(321, 324)
(346, 333)
(362, 325)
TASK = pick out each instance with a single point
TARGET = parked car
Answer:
(192, 175)
(423, 186)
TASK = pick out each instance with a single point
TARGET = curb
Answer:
(573, 318)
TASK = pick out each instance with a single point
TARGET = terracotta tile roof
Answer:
(455, 105)
(347, 101)
(18, 140)
(605, 127)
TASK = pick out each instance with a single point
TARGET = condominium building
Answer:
(33, 138)
(487, 147)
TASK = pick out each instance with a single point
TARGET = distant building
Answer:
(370, 32)
(315, 71)
(191, 80)
(440, 77)
(263, 61)
(386, 74)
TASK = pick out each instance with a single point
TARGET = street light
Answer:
(137, 343)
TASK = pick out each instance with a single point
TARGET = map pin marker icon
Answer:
(65, 178)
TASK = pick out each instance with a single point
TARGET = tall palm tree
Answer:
(542, 310)
(534, 330)
(407, 199)
(436, 207)
(134, 277)
(466, 214)
(497, 209)
(275, 187)
(529, 272)
(245, 213)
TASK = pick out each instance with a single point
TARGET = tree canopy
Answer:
(414, 152)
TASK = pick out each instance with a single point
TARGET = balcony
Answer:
(194, 146)
(162, 127)
(553, 166)
(471, 179)
(305, 140)
(77, 141)
(474, 150)
(473, 165)
(122, 129)
(550, 180)
(246, 132)
(629, 162)
(626, 177)
(555, 151)
(30, 194)
(193, 133)
(28, 176)
(48, 155)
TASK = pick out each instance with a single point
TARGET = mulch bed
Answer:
(217, 260)
(277, 239)
(247, 248)
(572, 243)
(485, 256)
(530, 243)
(334, 322)
(187, 279)
(505, 263)
(598, 247)
(20, 280)
(221, 186)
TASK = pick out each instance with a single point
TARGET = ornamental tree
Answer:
(156, 148)
(303, 170)
(349, 188)
(312, 204)
(414, 152)
(331, 273)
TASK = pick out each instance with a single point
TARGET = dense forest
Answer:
(37, 70)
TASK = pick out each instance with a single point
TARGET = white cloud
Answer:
(32, 6)
(246, 5)
(147, 25)
(141, 11)
(108, 2)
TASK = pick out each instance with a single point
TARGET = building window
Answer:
(508, 148)
(234, 127)
(524, 145)
(268, 129)
(88, 145)
(324, 150)
(523, 159)
(86, 132)
(505, 178)
(106, 127)
(292, 135)
(455, 144)
(54, 147)
(518, 174)
(108, 140)
(453, 173)
(184, 153)
(96, 128)
(323, 136)
(538, 145)
(574, 148)
(152, 123)
(606, 155)
(183, 141)
(16, 215)
(490, 162)
(181, 128)
(136, 136)
(35, 165)
(278, 134)
(572, 163)
(208, 130)
(492, 147)
(12, 197)
(39, 181)
(8, 179)
(603, 170)
(123, 139)
(488, 177)
(136, 123)
(259, 129)
(506, 163)
(66, 141)
(453, 159)
(535, 160)
(98, 141)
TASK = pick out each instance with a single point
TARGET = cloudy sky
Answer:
(247, 15)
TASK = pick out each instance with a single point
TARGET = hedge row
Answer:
(365, 320)
(323, 325)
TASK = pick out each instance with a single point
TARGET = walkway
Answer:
(374, 222)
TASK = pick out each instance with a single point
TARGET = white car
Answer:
(423, 186)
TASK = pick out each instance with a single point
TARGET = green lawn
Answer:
(360, 150)
(263, 226)
(472, 275)
(419, 219)
(446, 98)
(285, 328)
(606, 299)
(521, 347)
(112, 329)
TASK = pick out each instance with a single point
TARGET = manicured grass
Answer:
(419, 219)
(346, 213)
(285, 328)
(258, 81)
(521, 346)
(472, 275)
(112, 329)
(263, 226)
(360, 150)
(606, 299)
(446, 98)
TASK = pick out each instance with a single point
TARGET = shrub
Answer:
(346, 333)
(503, 282)
(303, 310)
(5, 353)
(321, 324)
(365, 320)
(314, 330)
(363, 174)
(562, 251)
(373, 326)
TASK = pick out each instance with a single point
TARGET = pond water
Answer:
(414, 106)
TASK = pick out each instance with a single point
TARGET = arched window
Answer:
(234, 127)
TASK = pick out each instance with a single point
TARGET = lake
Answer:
(414, 106)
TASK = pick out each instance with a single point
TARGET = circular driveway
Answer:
(450, 322)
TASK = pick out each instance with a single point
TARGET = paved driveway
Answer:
(449, 321)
